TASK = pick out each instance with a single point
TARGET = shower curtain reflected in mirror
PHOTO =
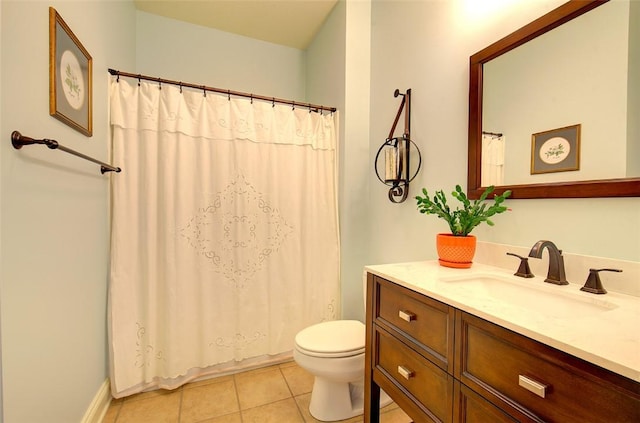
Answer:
(224, 233)
(493, 151)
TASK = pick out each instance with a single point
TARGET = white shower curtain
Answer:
(224, 232)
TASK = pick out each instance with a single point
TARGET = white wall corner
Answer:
(100, 404)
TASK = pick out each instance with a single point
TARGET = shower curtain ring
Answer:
(273, 102)
(229, 95)
(180, 84)
(251, 98)
(204, 90)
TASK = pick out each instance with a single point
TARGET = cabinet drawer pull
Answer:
(406, 315)
(405, 373)
(531, 385)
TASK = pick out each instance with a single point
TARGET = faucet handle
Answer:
(593, 283)
(523, 270)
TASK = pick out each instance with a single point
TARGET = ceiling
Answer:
(292, 23)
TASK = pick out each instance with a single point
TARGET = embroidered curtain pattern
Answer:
(224, 232)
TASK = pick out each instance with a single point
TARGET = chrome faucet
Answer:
(555, 274)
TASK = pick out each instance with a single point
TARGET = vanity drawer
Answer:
(534, 382)
(425, 322)
(423, 382)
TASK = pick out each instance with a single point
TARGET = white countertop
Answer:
(601, 329)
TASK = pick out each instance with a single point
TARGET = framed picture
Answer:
(557, 150)
(70, 70)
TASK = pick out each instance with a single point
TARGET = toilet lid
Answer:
(334, 338)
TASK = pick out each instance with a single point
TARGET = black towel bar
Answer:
(18, 140)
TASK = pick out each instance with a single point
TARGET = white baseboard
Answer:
(98, 407)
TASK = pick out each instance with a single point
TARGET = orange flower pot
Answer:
(456, 251)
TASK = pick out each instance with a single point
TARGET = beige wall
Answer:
(54, 211)
(633, 109)
(338, 73)
(1, 277)
(426, 46)
(202, 55)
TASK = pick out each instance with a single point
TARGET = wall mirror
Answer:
(548, 76)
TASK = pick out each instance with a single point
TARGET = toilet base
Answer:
(332, 401)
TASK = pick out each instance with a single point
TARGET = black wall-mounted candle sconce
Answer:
(396, 152)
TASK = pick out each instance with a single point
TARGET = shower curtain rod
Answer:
(493, 134)
(311, 107)
(18, 140)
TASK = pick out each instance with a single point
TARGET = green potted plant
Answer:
(457, 248)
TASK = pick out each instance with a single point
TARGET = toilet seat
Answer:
(333, 339)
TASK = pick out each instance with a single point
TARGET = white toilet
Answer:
(334, 353)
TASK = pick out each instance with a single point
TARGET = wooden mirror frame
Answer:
(620, 187)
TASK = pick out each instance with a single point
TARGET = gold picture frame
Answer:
(70, 77)
(557, 150)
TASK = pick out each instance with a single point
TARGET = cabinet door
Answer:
(538, 383)
(470, 407)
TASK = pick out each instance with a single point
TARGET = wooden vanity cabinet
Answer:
(440, 364)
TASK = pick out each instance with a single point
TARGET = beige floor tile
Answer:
(208, 381)
(117, 401)
(299, 380)
(395, 416)
(229, 418)
(260, 396)
(208, 401)
(303, 405)
(391, 406)
(275, 412)
(288, 363)
(149, 394)
(112, 412)
(259, 370)
(260, 387)
(162, 408)
(389, 414)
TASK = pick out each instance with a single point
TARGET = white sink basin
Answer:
(530, 295)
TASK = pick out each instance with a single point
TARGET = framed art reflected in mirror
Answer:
(557, 150)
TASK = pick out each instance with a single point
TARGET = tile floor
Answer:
(278, 394)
